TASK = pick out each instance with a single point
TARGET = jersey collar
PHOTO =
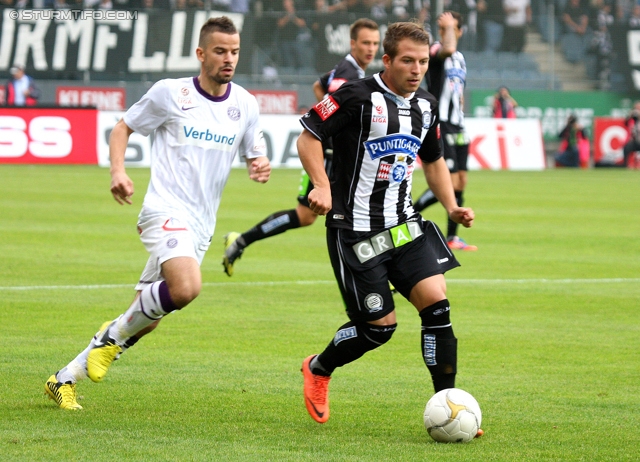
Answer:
(355, 64)
(215, 99)
(401, 101)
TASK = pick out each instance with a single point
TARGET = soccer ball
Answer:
(452, 416)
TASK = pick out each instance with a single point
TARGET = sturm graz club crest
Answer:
(399, 169)
(373, 302)
(426, 119)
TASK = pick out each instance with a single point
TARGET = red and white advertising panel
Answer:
(48, 136)
(609, 137)
(81, 136)
(103, 98)
(276, 101)
(505, 144)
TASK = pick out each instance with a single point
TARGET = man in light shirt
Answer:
(21, 89)
(200, 124)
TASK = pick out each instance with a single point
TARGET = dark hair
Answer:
(222, 24)
(403, 30)
(362, 23)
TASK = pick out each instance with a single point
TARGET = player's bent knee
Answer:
(377, 335)
(436, 315)
(183, 294)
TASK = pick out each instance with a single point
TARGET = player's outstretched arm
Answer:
(121, 184)
(449, 39)
(312, 158)
(439, 181)
(259, 169)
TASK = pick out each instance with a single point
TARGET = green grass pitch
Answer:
(546, 313)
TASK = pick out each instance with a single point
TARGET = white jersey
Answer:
(197, 137)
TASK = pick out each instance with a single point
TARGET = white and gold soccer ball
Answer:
(452, 416)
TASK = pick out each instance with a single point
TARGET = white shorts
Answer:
(166, 238)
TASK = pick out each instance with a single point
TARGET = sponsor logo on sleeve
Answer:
(326, 107)
(260, 144)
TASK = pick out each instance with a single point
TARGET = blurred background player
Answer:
(365, 40)
(446, 81)
(178, 214)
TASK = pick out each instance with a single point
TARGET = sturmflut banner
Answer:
(132, 44)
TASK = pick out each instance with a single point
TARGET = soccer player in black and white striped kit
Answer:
(380, 126)
(446, 80)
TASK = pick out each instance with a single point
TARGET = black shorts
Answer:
(306, 186)
(455, 146)
(365, 286)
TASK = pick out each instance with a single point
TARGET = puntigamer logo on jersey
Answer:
(205, 138)
(393, 144)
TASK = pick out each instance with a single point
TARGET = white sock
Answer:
(76, 370)
(145, 310)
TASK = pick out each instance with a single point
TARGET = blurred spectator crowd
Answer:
(235, 6)
(580, 28)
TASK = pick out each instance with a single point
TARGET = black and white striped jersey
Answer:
(446, 80)
(377, 137)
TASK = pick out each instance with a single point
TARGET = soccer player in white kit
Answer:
(200, 124)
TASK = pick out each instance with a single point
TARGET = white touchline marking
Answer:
(281, 283)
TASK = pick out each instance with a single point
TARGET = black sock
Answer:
(274, 224)
(351, 342)
(425, 200)
(452, 226)
(439, 345)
